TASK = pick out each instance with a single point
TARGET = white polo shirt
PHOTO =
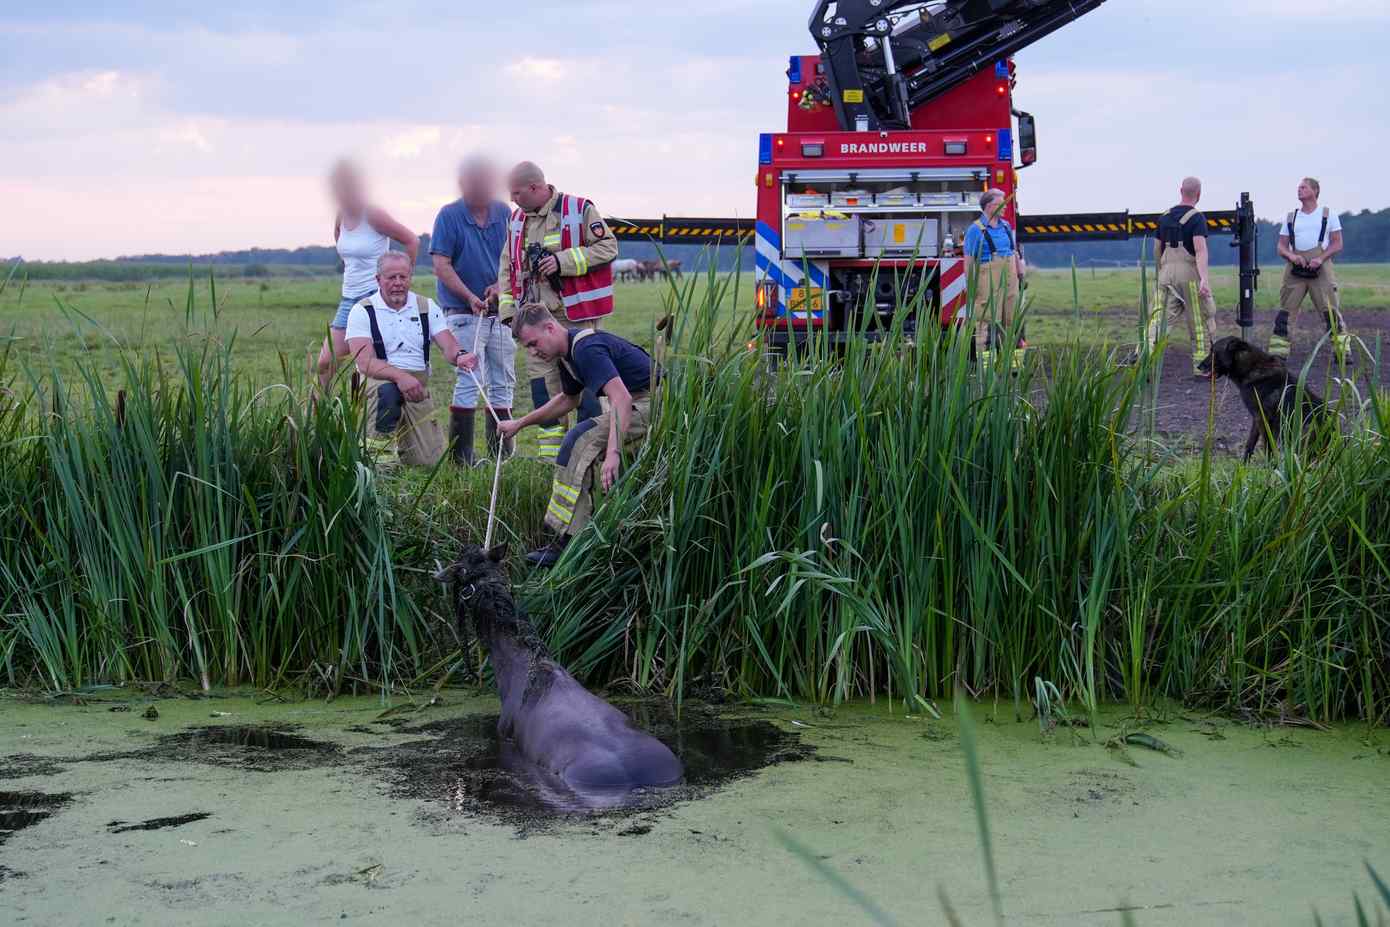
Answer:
(400, 329)
(1306, 227)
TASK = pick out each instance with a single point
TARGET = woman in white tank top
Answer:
(363, 234)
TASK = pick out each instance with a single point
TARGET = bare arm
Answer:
(369, 365)
(1334, 247)
(1286, 250)
(558, 406)
(398, 233)
(444, 270)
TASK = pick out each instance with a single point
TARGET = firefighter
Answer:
(1311, 236)
(1184, 276)
(559, 253)
(597, 362)
(993, 261)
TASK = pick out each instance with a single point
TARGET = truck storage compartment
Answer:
(852, 198)
(901, 238)
(826, 234)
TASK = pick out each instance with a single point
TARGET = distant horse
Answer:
(627, 270)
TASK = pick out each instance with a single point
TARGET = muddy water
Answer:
(227, 811)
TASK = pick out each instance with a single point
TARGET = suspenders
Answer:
(380, 344)
(988, 242)
(1322, 233)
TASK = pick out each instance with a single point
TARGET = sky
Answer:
(144, 126)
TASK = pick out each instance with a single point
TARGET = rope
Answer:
(497, 466)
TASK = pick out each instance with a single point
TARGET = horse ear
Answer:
(448, 574)
(498, 554)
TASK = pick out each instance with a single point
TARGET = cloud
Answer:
(220, 121)
(539, 70)
(410, 142)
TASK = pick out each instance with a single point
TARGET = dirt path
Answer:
(160, 824)
(1184, 403)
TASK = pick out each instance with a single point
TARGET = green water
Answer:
(1247, 826)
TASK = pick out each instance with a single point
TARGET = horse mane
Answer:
(487, 604)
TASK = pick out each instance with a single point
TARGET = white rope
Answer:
(497, 466)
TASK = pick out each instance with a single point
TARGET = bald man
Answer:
(1184, 276)
(574, 278)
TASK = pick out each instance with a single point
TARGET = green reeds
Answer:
(893, 519)
(176, 524)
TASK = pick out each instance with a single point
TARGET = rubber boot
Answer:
(508, 446)
(461, 435)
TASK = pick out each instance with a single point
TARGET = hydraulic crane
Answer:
(893, 130)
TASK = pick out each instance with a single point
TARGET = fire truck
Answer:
(894, 130)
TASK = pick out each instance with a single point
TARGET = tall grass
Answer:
(891, 520)
(176, 524)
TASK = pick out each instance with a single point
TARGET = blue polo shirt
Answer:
(600, 357)
(1000, 241)
(474, 250)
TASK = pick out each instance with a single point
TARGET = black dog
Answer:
(1269, 391)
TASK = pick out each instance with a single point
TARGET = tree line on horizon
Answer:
(1367, 241)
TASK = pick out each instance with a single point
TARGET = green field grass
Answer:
(276, 324)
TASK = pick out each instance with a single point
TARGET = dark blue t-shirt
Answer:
(599, 358)
(474, 250)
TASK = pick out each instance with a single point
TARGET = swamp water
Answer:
(222, 810)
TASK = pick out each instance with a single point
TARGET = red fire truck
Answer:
(893, 131)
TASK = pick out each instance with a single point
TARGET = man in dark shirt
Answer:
(1184, 281)
(611, 367)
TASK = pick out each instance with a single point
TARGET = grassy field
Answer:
(274, 325)
(278, 321)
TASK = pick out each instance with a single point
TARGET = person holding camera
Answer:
(389, 335)
(1310, 238)
(560, 254)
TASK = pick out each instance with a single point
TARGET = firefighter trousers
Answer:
(545, 383)
(996, 300)
(1177, 296)
(578, 465)
(1326, 300)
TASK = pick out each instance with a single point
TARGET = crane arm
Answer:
(885, 58)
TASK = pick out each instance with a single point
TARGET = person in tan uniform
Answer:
(1310, 238)
(573, 279)
(995, 265)
(1184, 277)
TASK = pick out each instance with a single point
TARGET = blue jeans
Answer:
(340, 319)
(496, 361)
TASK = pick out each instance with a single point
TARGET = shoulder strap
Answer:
(568, 359)
(1188, 216)
(378, 343)
(986, 243)
(424, 310)
(1292, 216)
(1322, 233)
